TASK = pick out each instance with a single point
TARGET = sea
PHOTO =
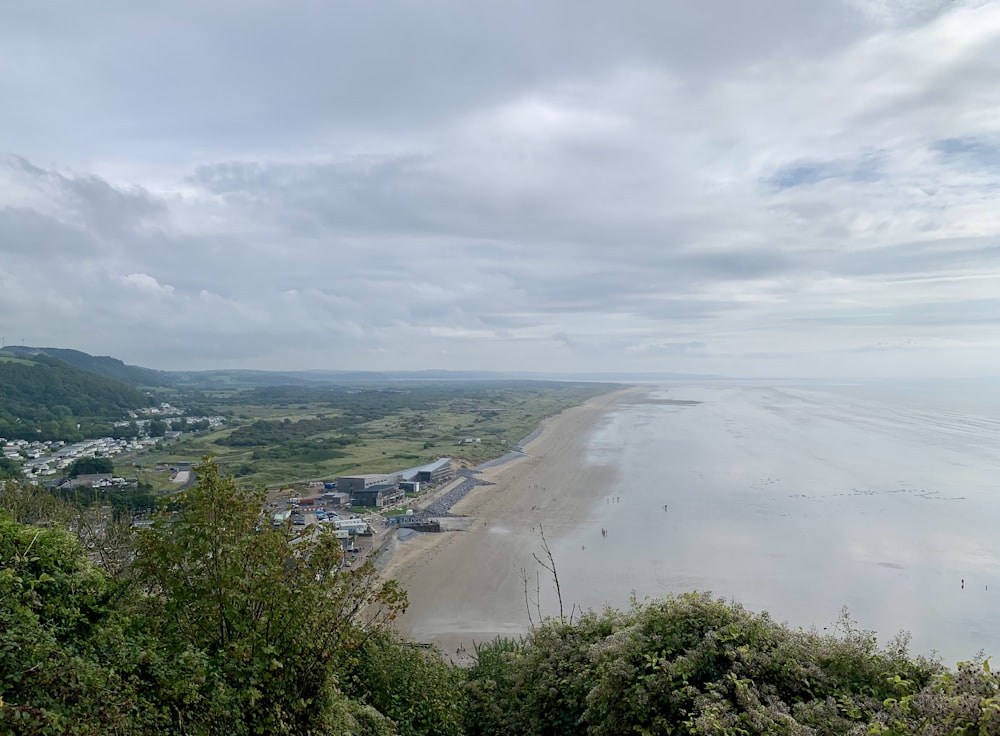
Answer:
(811, 502)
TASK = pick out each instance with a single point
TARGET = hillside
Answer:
(102, 365)
(44, 398)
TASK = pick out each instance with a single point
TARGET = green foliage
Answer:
(265, 433)
(10, 468)
(53, 610)
(274, 620)
(91, 466)
(489, 684)
(124, 501)
(961, 703)
(410, 684)
(46, 399)
(27, 503)
(102, 366)
(221, 626)
(310, 450)
(691, 665)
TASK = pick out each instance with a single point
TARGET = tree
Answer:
(157, 428)
(412, 685)
(91, 466)
(276, 619)
(9, 468)
(53, 613)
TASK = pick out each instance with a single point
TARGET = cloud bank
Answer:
(648, 187)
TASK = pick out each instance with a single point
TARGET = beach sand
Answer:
(467, 586)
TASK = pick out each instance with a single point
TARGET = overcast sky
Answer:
(775, 187)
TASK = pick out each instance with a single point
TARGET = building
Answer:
(378, 496)
(281, 518)
(358, 526)
(337, 500)
(400, 519)
(92, 480)
(437, 472)
(352, 483)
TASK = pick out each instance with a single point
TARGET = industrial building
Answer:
(352, 483)
(337, 500)
(435, 473)
(378, 496)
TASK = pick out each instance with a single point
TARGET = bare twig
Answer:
(538, 596)
(551, 567)
(527, 601)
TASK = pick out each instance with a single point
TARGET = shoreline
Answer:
(466, 586)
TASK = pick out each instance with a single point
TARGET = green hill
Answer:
(45, 398)
(101, 365)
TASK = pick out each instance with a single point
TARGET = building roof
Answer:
(436, 465)
(411, 473)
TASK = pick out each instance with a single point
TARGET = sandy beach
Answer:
(467, 586)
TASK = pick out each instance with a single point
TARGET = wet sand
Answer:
(792, 500)
(467, 587)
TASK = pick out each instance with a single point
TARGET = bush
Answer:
(412, 685)
(687, 665)
(91, 466)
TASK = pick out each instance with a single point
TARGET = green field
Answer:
(292, 435)
(12, 359)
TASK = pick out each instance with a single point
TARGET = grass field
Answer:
(424, 424)
(12, 359)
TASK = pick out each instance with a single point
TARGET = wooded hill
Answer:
(44, 398)
(102, 365)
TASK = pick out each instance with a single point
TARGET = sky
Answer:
(776, 188)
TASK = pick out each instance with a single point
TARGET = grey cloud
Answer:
(511, 185)
(958, 313)
(25, 231)
(673, 348)
(904, 260)
(90, 199)
(238, 72)
(884, 346)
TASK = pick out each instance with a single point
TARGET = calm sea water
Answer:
(800, 501)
